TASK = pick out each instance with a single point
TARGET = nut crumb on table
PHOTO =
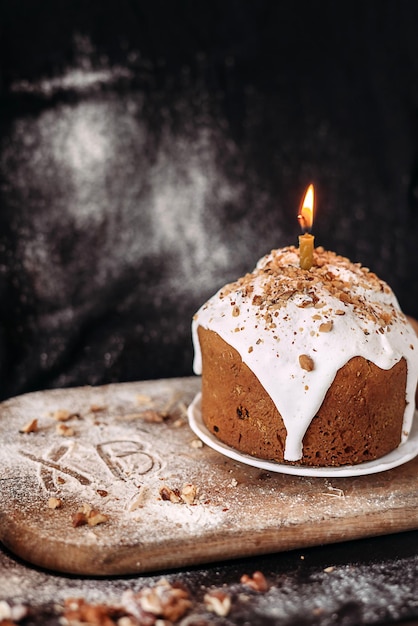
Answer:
(87, 515)
(12, 614)
(54, 503)
(168, 494)
(218, 601)
(64, 430)
(257, 581)
(187, 494)
(164, 602)
(62, 415)
(30, 427)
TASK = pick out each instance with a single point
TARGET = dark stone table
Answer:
(371, 581)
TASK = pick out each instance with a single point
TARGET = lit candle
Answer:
(306, 241)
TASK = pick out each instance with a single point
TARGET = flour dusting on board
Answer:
(111, 480)
(117, 459)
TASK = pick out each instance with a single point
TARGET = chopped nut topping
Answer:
(326, 327)
(306, 362)
(30, 427)
(257, 300)
(280, 279)
(344, 297)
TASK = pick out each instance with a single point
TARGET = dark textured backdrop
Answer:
(151, 151)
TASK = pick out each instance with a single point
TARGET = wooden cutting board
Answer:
(167, 500)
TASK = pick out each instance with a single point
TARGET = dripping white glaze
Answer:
(270, 329)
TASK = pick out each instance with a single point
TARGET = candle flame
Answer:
(305, 216)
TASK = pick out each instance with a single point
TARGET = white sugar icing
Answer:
(331, 313)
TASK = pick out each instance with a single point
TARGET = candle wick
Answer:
(302, 221)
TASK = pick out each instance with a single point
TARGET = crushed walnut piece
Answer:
(77, 612)
(78, 519)
(12, 614)
(188, 493)
(168, 494)
(87, 515)
(326, 327)
(196, 443)
(62, 415)
(257, 581)
(163, 600)
(152, 417)
(54, 503)
(127, 620)
(64, 430)
(306, 362)
(97, 408)
(143, 399)
(95, 517)
(218, 601)
(30, 427)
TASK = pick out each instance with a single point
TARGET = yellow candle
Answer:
(306, 241)
(306, 247)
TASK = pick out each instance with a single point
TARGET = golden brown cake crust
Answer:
(359, 420)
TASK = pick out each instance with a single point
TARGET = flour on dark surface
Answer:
(149, 159)
(365, 590)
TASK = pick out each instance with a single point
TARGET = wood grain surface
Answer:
(168, 501)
